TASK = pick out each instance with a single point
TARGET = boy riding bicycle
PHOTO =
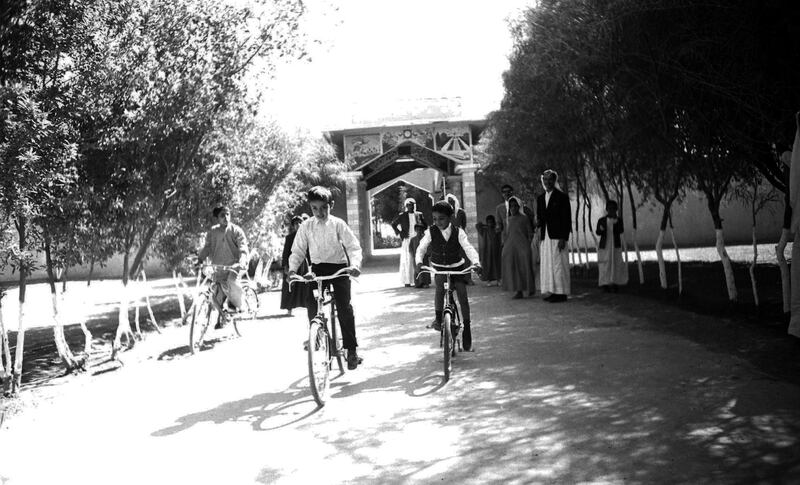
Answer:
(226, 244)
(446, 242)
(330, 243)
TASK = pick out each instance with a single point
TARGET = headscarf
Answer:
(454, 204)
(410, 199)
(519, 203)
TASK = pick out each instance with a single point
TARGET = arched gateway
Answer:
(437, 157)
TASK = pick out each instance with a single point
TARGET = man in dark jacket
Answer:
(555, 224)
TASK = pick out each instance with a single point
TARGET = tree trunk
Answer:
(146, 290)
(124, 324)
(148, 236)
(730, 282)
(753, 268)
(662, 269)
(585, 243)
(634, 226)
(677, 257)
(179, 293)
(5, 353)
(780, 250)
(794, 321)
(16, 383)
(62, 347)
(88, 339)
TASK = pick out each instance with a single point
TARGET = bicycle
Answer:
(203, 306)
(450, 334)
(324, 342)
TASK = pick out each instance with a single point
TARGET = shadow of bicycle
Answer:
(265, 412)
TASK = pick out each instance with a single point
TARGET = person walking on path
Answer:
(403, 225)
(489, 250)
(516, 259)
(555, 225)
(612, 271)
(299, 294)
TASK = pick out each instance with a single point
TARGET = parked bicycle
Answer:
(450, 335)
(204, 311)
(324, 338)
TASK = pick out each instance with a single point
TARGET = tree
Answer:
(36, 159)
(161, 77)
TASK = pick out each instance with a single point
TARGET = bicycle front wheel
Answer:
(318, 361)
(447, 344)
(201, 318)
(336, 340)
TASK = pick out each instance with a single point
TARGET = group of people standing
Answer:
(520, 248)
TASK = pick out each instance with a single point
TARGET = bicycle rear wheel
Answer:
(336, 340)
(318, 361)
(447, 344)
(201, 318)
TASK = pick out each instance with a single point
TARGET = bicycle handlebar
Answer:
(434, 271)
(314, 278)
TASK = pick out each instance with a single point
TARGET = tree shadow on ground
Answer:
(566, 393)
(265, 412)
(42, 363)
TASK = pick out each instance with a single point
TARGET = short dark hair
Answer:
(506, 186)
(297, 220)
(217, 210)
(320, 193)
(420, 226)
(612, 202)
(490, 218)
(443, 207)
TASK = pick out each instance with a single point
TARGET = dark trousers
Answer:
(457, 282)
(341, 295)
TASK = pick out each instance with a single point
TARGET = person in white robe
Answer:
(612, 271)
(555, 225)
(403, 226)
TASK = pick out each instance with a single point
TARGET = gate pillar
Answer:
(469, 199)
(358, 210)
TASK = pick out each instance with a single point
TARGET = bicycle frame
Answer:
(450, 334)
(318, 364)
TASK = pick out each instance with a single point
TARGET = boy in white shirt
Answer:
(331, 244)
(446, 242)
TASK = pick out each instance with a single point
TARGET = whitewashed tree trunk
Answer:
(638, 256)
(137, 328)
(17, 381)
(124, 324)
(578, 254)
(62, 347)
(88, 339)
(678, 258)
(5, 351)
(662, 270)
(780, 249)
(753, 268)
(794, 321)
(585, 251)
(730, 282)
(146, 290)
(179, 293)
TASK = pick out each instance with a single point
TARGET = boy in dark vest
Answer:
(446, 242)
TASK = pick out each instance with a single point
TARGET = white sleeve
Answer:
(423, 246)
(471, 253)
(299, 247)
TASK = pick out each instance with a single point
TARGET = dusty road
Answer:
(590, 391)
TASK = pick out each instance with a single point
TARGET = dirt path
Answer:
(609, 390)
